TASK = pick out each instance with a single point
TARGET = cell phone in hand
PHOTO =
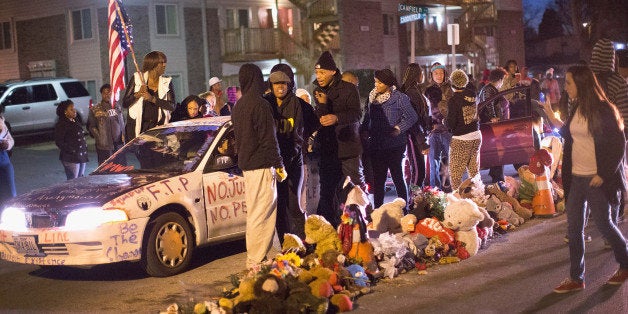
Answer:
(542, 98)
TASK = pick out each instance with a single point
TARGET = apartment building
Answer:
(205, 38)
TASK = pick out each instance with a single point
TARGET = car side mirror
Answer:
(222, 162)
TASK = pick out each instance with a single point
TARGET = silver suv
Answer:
(30, 105)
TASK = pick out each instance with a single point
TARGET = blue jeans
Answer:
(439, 151)
(7, 177)
(74, 170)
(580, 194)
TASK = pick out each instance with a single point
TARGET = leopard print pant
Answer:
(463, 155)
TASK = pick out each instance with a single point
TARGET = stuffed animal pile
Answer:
(331, 267)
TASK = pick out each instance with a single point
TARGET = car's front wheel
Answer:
(168, 248)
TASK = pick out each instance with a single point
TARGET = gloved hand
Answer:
(281, 174)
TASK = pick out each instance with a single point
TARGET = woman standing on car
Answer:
(7, 177)
(593, 172)
(70, 139)
(388, 118)
(150, 99)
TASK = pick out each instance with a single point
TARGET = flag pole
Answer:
(128, 40)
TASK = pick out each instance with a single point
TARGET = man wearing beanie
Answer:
(339, 112)
(462, 120)
(438, 94)
(260, 161)
(615, 87)
(289, 114)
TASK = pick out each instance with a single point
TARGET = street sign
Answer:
(453, 34)
(410, 18)
(412, 9)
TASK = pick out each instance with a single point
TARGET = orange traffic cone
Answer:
(543, 202)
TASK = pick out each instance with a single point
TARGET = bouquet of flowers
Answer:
(428, 202)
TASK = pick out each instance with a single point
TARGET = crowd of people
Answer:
(282, 133)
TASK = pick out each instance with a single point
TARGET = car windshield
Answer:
(167, 150)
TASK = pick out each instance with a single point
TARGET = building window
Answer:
(237, 18)
(166, 17)
(90, 86)
(81, 24)
(5, 35)
(389, 24)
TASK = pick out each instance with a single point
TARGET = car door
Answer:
(43, 106)
(17, 110)
(223, 190)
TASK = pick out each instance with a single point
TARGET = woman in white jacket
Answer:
(150, 99)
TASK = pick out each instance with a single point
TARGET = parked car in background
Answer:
(168, 191)
(30, 105)
(512, 141)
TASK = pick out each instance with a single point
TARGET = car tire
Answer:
(168, 247)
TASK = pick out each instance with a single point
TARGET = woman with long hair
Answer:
(593, 172)
(70, 138)
(417, 139)
(150, 99)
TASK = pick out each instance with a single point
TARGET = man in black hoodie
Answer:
(259, 159)
(339, 111)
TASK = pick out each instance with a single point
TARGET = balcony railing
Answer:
(249, 44)
(323, 8)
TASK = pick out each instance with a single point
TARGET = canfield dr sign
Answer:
(417, 13)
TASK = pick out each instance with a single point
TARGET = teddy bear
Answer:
(408, 223)
(301, 299)
(320, 232)
(292, 243)
(387, 218)
(503, 211)
(242, 301)
(486, 225)
(473, 189)
(495, 189)
(462, 215)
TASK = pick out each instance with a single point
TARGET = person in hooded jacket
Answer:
(339, 112)
(389, 118)
(438, 94)
(259, 158)
(288, 111)
(462, 120)
(106, 125)
(614, 86)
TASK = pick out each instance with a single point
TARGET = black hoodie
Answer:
(253, 124)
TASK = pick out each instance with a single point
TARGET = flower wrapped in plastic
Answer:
(428, 202)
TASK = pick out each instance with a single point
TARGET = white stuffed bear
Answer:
(462, 215)
(387, 218)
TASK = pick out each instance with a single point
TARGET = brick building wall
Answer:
(35, 42)
(509, 37)
(361, 35)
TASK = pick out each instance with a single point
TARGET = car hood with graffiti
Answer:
(93, 190)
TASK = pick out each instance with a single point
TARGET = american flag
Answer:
(118, 49)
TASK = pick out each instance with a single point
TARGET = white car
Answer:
(168, 191)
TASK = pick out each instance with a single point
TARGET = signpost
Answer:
(416, 13)
(453, 39)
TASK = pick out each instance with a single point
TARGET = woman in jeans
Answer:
(592, 172)
(70, 139)
(389, 117)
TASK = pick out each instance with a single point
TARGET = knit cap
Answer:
(437, 66)
(326, 62)
(459, 79)
(386, 76)
(603, 56)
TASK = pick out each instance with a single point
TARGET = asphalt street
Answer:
(514, 274)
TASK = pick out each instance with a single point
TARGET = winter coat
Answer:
(343, 101)
(615, 87)
(70, 139)
(438, 96)
(382, 117)
(609, 145)
(106, 125)
(494, 108)
(140, 110)
(419, 103)
(253, 124)
(462, 116)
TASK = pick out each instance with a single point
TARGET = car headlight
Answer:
(13, 219)
(92, 217)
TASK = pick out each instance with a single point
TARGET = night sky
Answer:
(533, 9)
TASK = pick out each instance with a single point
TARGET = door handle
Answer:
(26, 108)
